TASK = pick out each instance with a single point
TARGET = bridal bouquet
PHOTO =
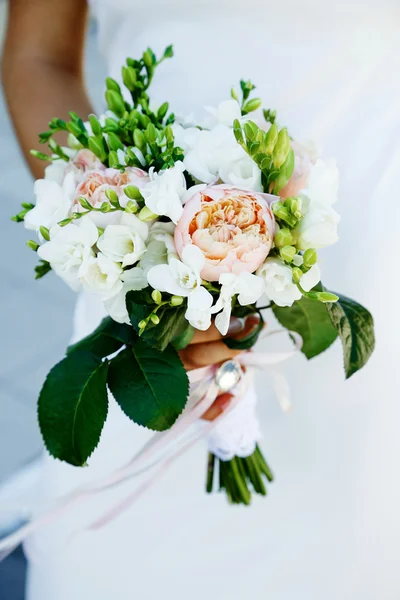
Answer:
(177, 225)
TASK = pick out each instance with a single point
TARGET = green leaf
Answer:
(247, 342)
(109, 337)
(140, 305)
(73, 407)
(355, 326)
(181, 341)
(311, 320)
(150, 386)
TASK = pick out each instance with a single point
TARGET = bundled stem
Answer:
(239, 477)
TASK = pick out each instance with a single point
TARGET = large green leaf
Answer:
(109, 337)
(73, 407)
(355, 326)
(172, 320)
(150, 386)
(311, 320)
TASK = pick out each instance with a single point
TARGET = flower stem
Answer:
(210, 472)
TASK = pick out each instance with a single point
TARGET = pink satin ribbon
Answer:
(169, 445)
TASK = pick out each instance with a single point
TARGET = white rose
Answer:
(53, 202)
(124, 243)
(279, 286)
(132, 279)
(163, 193)
(318, 227)
(101, 275)
(69, 248)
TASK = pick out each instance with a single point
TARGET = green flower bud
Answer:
(310, 257)
(129, 77)
(132, 192)
(111, 84)
(238, 133)
(142, 324)
(280, 211)
(64, 222)
(45, 233)
(85, 203)
(139, 140)
(151, 133)
(100, 230)
(113, 159)
(250, 130)
(162, 111)
(32, 245)
(105, 207)
(169, 135)
(251, 105)
(39, 155)
(112, 196)
(73, 142)
(281, 149)
(115, 102)
(270, 139)
(112, 124)
(157, 296)
(269, 115)
(327, 297)
(114, 143)
(154, 319)
(234, 94)
(283, 238)
(176, 301)
(169, 52)
(148, 59)
(74, 129)
(288, 253)
(131, 207)
(97, 147)
(146, 215)
(95, 125)
(297, 274)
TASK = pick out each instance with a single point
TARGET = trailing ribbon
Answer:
(161, 450)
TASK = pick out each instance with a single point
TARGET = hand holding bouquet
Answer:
(176, 227)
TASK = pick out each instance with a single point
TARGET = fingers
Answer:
(218, 407)
(208, 353)
(213, 352)
(212, 334)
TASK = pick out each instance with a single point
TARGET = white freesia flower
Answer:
(132, 279)
(184, 137)
(217, 155)
(224, 114)
(163, 193)
(101, 275)
(179, 277)
(311, 278)
(53, 202)
(55, 171)
(199, 310)
(160, 246)
(124, 243)
(249, 288)
(279, 286)
(69, 249)
(318, 227)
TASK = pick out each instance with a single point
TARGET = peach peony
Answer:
(233, 228)
(95, 184)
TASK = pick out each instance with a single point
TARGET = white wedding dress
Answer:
(329, 528)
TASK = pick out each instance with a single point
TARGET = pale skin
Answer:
(42, 72)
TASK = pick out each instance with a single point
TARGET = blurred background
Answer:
(36, 323)
(35, 316)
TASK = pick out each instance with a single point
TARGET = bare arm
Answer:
(42, 67)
